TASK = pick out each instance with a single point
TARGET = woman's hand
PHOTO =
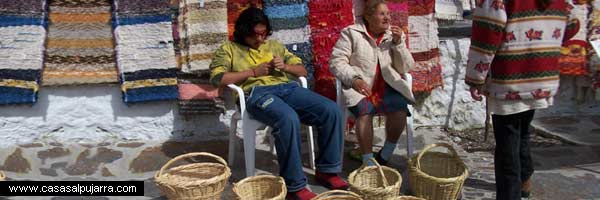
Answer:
(277, 63)
(396, 34)
(262, 69)
(361, 87)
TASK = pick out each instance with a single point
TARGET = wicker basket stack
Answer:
(204, 181)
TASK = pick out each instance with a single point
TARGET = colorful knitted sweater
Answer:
(515, 47)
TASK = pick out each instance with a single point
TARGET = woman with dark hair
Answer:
(263, 69)
(513, 60)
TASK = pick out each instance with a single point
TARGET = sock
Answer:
(367, 158)
(387, 150)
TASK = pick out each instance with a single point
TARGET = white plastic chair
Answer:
(409, 120)
(249, 128)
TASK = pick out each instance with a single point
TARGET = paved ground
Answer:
(580, 129)
(562, 171)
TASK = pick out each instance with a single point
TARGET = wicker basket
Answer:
(375, 182)
(2, 176)
(194, 181)
(261, 187)
(437, 175)
(407, 198)
(338, 195)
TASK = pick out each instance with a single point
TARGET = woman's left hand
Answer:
(396, 34)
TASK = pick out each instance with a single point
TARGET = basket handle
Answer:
(332, 192)
(431, 146)
(379, 169)
(187, 155)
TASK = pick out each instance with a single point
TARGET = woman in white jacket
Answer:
(370, 58)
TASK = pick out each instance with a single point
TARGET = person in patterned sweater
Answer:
(513, 60)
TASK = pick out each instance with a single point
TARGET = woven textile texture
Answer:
(573, 61)
(289, 21)
(202, 29)
(197, 96)
(145, 52)
(22, 33)
(594, 34)
(79, 47)
(327, 19)
(234, 8)
(423, 44)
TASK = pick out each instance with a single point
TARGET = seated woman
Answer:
(370, 58)
(263, 68)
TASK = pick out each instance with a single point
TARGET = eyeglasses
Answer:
(262, 34)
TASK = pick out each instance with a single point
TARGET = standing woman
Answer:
(513, 60)
(370, 59)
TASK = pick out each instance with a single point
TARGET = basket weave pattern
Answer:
(338, 195)
(375, 182)
(195, 181)
(436, 175)
(261, 187)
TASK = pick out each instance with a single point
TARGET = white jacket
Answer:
(356, 54)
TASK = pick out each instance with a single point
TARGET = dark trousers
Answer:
(512, 158)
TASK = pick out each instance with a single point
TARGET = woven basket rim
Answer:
(379, 190)
(259, 178)
(161, 177)
(412, 168)
(409, 198)
(336, 193)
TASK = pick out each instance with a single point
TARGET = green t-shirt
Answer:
(234, 57)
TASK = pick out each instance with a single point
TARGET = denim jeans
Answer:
(283, 107)
(512, 158)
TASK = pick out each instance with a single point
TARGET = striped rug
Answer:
(423, 44)
(573, 61)
(289, 21)
(202, 27)
(22, 33)
(80, 47)
(145, 51)
(327, 19)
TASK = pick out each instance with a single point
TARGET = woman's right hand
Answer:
(361, 87)
(262, 69)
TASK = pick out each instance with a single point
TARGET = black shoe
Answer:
(525, 194)
(379, 159)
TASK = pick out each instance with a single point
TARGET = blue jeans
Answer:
(283, 107)
(512, 158)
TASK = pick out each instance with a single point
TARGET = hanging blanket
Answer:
(423, 44)
(202, 28)
(327, 19)
(22, 34)
(289, 21)
(594, 34)
(80, 47)
(145, 52)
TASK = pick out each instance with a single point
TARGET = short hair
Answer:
(245, 23)
(371, 6)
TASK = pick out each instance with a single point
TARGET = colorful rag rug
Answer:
(327, 19)
(399, 13)
(289, 21)
(22, 33)
(423, 44)
(197, 96)
(145, 52)
(234, 8)
(202, 28)
(573, 60)
(594, 34)
(80, 47)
